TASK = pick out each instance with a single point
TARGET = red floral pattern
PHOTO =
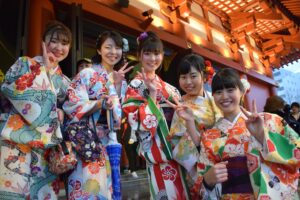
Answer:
(24, 81)
(169, 173)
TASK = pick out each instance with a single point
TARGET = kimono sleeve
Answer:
(82, 95)
(281, 144)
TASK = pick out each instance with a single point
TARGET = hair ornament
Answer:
(246, 84)
(209, 70)
(142, 37)
(125, 45)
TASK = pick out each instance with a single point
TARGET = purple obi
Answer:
(238, 176)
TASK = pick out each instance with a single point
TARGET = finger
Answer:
(246, 112)
(44, 49)
(124, 66)
(254, 106)
(176, 101)
(171, 104)
(128, 69)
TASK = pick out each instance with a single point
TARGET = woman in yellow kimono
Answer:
(35, 87)
(146, 111)
(193, 73)
(245, 155)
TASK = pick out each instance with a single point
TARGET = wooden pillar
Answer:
(40, 12)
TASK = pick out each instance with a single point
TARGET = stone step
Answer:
(132, 188)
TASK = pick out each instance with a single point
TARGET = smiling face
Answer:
(228, 100)
(110, 53)
(192, 82)
(151, 61)
(57, 46)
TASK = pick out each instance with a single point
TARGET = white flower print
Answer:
(150, 121)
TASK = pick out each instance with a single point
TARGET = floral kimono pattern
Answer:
(31, 127)
(93, 179)
(149, 121)
(272, 167)
(205, 115)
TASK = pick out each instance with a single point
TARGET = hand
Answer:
(60, 115)
(150, 83)
(108, 102)
(216, 174)
(182, 110)
(119, 76)
(254, 123)
(48, 58)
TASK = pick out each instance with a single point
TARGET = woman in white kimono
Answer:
(35, 87)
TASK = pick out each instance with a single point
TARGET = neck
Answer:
(231, 116)
(150, 75)
(200, 93)
(108, 68)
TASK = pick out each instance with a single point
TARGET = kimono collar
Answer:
(224, 124)
(40, 60)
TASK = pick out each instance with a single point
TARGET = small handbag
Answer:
(84, 140)
(62, 158)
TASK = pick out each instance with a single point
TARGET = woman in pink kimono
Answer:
(193, 73)
(35, 87)
(145, 110)
(90, 94)
(246, 155)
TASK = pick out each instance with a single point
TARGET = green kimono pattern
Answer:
(273, 166)
(31, 129)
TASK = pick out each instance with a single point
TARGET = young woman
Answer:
(90, 94)
(144, 108)
(193, 73)
(250, 155)
(35, 87)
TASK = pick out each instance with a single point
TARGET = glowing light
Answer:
(196, 39)
(247, 64)
(157, 22)
(226, 53)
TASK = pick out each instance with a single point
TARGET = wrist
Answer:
(207, 184)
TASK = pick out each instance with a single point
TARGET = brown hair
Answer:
(273, 104)
(63, 32)
(115, 36)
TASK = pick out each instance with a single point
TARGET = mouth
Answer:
(225, 103)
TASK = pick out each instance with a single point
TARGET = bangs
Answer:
(152, 46)
(117, 39)
(226, 79)
(62, 35)
(184, 67)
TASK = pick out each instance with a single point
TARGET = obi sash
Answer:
(238, 176)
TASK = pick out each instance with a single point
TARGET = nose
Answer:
(113, 50)
(224, 94)
(188, 80)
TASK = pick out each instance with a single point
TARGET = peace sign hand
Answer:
(183, 111)
(150, 83)
(48, 58)
(254, 123)
(119, 76)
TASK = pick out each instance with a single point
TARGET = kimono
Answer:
(31, 128)
(92, 180)
(150, 121)
(255, 170)
(205, 114)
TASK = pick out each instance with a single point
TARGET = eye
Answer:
(218, 92)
